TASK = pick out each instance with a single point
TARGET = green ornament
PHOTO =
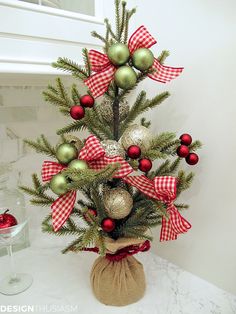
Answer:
(58, 184)
(125, 77)
(143, 59)
(66, 153)
(78, 164)
(118, 54)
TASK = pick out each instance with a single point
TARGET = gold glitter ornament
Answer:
(137, 135)
(105, 110)
(113, 148)
(118, 203)
(74, 140)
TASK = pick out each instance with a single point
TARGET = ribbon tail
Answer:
(98, 83)
(175, 225)
(164, 73)
(50, 169)
(62, 208)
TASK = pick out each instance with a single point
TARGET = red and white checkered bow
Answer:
(163, 189)
(95, 156)
(99, 82)
(64, 204)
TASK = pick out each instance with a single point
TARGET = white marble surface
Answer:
(63, 280)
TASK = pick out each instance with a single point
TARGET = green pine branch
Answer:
(72, 67)
(42, 145)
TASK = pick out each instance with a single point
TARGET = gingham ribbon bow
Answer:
(63, 205)
(163, 189)
(96, 157)
(99, 82)
(94, 154)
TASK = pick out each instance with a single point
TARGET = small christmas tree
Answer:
(113, 168)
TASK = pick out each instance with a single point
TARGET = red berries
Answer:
(145, 164)
(186, 139)
(87, 101)
(183, 150)
(134, 151)
(77, 112)
(192, 159)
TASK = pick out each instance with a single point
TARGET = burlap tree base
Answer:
(120, 282)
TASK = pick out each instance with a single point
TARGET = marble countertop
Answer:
(62, 282)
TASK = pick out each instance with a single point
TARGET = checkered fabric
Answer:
(99, 82)
(50, 169)
(63, 205)
(62, 208)
(164, 73)
(141, 38)
(163, 189)
(94, 154)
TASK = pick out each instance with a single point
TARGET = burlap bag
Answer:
(118, 282)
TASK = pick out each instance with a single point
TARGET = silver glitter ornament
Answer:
(105, 110)
(118, 203)
(137, 135)
(113, 148)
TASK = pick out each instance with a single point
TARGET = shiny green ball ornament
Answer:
(58, 184)
(66, 153)
(78, 164)
(125, 77)
(143, 59)
(118, 54)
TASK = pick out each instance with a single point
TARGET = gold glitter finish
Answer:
(118, 203)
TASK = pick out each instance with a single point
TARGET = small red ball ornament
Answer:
(186, 139)
(77, 112)
(145, 164)
(182, 151)
(134, 151)
(87, 101)
(192, 159)
(7, 220)
(108, 224)
(91, 212)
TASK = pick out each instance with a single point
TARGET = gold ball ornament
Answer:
(58, 184)
(74, 140)
(125, 77)
(66, 152)
(118, 54)
(105, 110)
(78, 164)
(118, 203)
(143, 59)
(113, 148)
(137, 135)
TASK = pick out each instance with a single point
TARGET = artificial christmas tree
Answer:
(121, 203)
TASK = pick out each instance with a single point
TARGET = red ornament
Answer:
(87, 101)
(77, 112)
(186, 139)
(108, 224)
(192, 159)
(7, 220)
(134, 151)
(145, 164)
(182, 151)
(92, 212)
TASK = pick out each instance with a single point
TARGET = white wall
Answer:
(200, 35)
